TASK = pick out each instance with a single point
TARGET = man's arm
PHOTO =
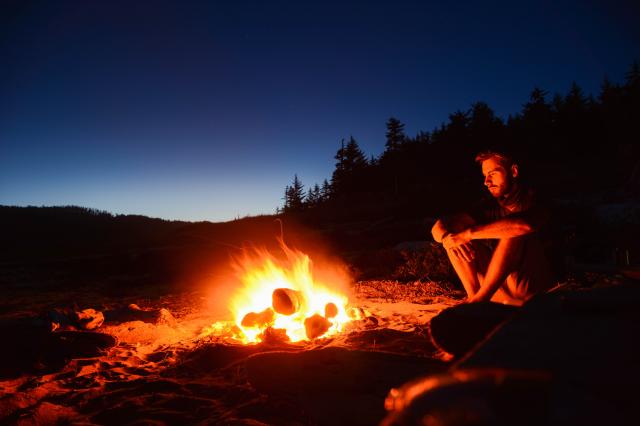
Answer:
(450, 225)
(514, 225)
(502, 228)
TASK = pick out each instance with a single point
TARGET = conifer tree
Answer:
(389, 160)
(537, 109)
(325, 191)
(294, 196)
(313, 198)
(423, 137)
(351, 161)
(395, 135)
(485, 130)
(575, 101)
(285, 207)
(633, 75)
(608, 92)
(557, 105)
(353, 156)
(534, 123)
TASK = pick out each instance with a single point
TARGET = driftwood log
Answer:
(286, 301)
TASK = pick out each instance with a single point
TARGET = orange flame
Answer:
(261, 273)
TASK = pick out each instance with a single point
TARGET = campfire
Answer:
(283, 300)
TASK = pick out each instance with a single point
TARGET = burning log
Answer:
(286, 301)
(274, 336)
(260, 319)
(330, 310)
(316, 326)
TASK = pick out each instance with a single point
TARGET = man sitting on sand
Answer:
(497, 250)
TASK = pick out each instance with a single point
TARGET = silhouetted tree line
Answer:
(567, 144)
(45, 232)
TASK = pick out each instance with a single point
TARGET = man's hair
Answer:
(505, 160)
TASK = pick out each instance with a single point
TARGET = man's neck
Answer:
(511, 199)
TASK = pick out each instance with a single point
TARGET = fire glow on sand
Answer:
(283, 300)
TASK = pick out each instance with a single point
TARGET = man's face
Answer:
(497, 179)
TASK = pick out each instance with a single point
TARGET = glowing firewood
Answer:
(316, 326)
(286, 301)
(261, 319)
(330, 310)
(274, 336)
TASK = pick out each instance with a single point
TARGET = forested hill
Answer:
(572, 146)
(49, 233)
(67, 230)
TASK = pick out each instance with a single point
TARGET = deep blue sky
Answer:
(205, 110)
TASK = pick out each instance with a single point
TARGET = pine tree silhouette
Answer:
(395, 135)
(351, 163)
(325, 191)
(313, 198)
(294, 196)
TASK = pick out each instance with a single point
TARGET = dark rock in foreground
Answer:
(458, 329)
(336, 385)
(35, 350)
(472, 397)
(576, 347)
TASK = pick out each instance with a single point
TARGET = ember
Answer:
(284, 301)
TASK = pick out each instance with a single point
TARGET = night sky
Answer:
(206, 110)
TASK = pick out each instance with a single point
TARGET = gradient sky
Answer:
(205, 110)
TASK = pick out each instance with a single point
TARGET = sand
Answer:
(170, 373)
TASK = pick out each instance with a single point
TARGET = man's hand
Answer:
(456, 239)
(460, 245)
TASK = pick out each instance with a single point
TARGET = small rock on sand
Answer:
(89, 319)
(133, 312)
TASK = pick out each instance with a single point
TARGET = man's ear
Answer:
(514, 170)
